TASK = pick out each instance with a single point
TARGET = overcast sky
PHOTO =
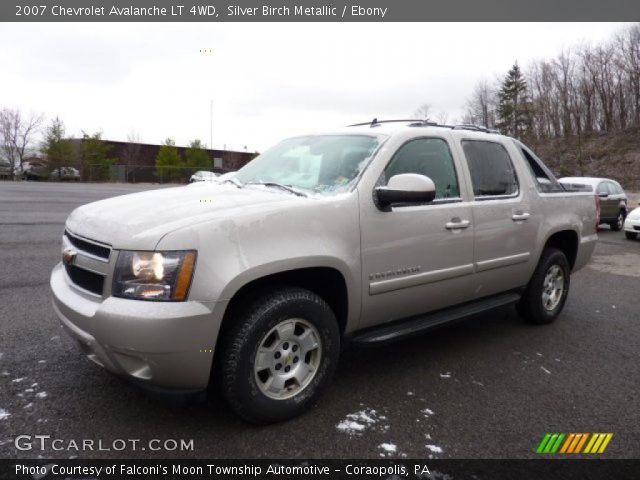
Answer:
(267, 81)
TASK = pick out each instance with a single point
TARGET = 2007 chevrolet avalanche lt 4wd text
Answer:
(365, 234)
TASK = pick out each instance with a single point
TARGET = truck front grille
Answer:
(93, 282)
(91, 248)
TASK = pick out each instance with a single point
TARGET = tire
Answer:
(276, 323)
(631, 235)
(539, 309)
(618, 223)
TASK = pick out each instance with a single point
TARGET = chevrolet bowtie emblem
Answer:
(68, 255)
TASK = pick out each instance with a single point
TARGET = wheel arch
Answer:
(567, 241)
(328, 279)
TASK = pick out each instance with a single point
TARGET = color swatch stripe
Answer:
(572, 443)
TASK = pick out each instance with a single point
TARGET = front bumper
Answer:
(160, 344)
(632, 225)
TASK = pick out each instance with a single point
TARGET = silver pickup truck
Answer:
(366, 234)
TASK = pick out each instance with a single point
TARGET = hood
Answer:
(140, 220)
(634, 214)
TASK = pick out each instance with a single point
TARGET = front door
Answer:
(417, 258)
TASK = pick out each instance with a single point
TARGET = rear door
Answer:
(505, 227)
(608, 201)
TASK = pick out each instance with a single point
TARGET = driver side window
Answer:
(430, 157)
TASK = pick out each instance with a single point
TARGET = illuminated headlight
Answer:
(154, 275)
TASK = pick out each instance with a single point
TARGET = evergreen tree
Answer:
(197, 157)
(94, 157)
(514, 114)
(56, 147)
(168, 161)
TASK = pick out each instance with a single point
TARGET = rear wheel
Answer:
(631, 235)
(545, 296)
(280, 355)
(617, 225)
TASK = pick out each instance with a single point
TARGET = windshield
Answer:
(318, 163)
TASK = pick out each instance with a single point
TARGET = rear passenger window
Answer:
(430, 157)
(602, 189)
(492, 172)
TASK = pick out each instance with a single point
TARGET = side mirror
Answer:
(406, 188)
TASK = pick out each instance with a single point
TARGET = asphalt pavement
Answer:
(489, 387)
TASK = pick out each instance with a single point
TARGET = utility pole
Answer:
(211, 125)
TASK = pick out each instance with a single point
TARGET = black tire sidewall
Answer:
(532, 306)
(616, 226)
(240, 386)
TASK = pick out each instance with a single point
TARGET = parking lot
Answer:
(489, 387)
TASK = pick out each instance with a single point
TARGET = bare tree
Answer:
(17, 134)
(481, 105)
(131, 155)
(422, 112)
(442, 118)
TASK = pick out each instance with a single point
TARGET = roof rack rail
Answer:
(475, 128)
(426, 123)
(375, 122)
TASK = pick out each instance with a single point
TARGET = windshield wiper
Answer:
(235, 181)
(288, 188)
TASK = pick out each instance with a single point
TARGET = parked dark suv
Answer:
(613, 200)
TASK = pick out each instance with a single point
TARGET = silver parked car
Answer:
(62, 174)
(366, 234)
(203, 176)
(613, 199)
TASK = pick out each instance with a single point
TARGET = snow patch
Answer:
(41, 394)
(388, 447)
(4, 414)
(434, 448)
(545, 370)
(427, 412)
(18, 380)
(356, 423)
(445, 375)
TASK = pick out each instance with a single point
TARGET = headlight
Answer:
(154, 275)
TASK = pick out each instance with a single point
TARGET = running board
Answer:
(421, 323)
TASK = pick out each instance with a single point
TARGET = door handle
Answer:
(520, 216)
(456, 224)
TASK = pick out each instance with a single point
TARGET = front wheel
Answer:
(631, 235)
(279, 355)
(546, 294)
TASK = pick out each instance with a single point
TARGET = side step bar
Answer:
(414, 325)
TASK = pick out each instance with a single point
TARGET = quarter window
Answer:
(492, 172)
(430, 157)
